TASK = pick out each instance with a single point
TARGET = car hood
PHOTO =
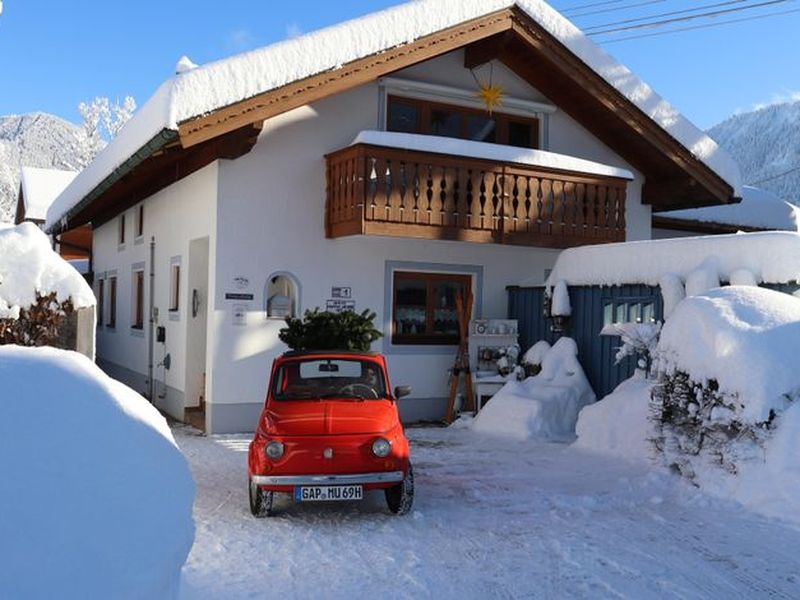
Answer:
(330, 417)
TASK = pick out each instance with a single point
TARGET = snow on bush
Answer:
(727, 397)
(638, 339)
(97, 498)
(29, 269)
(620, 423)
(544, 406)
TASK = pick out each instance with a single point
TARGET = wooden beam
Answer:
(701, 226)
(353, 74)
(485, 50)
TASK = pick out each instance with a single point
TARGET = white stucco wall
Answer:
(184, 211)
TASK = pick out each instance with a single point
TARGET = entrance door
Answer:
(196, 325)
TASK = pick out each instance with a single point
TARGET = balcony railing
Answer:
(374, 190)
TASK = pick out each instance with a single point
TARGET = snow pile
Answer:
(772, 257)
(536, 353)
(703, 278)
(97, 498)
(498, 152)
(40, 187)
(758, 208)
(201, 90)
(28, 266)
(620, 423)
(747, 339)
(743, 277)
(544, 406)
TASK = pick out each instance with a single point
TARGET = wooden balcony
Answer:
(375, 190)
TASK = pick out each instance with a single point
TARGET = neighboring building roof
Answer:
(772, 257)
(484, 150)
(40, 187)
(759, 209)
(179, 106)
(29, 266)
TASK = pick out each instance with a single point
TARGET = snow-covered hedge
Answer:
(96, 497)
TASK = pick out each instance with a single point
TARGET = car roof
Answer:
(299, 353)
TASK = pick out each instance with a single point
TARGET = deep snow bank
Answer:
(544, 406)
(620, 423)
(96, 497)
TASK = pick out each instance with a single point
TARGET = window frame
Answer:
(431, 279)
(101, 301)
(174, 287)
(424, 108)
(138, 222)
(137, 304)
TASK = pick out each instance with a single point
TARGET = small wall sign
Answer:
(341, 292)
(339, 305)
(238, 296)
(239, 314)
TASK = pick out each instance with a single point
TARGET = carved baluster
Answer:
(621, 197)
(547, 206)
(415, 191)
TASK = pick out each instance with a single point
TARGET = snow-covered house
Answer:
(38, 188)
(367, 165)
(758, 210)
(592, 287)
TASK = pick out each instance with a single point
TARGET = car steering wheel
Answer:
(360, 390)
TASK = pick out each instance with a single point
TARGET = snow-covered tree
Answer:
(102, 120)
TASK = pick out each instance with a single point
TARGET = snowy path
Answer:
(497, 520)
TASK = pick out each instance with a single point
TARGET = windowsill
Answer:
(174, 314)
(120, 247)
(137, 331)
(111, 328)
(138, 241)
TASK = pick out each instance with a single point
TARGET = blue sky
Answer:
(55, 54)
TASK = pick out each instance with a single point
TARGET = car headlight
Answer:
(381, 447)
(274, 450)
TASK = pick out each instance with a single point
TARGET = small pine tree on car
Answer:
(325, 330)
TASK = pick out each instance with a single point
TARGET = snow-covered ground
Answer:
(506, 519)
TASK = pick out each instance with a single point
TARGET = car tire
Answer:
(260, 501)
(400, 497)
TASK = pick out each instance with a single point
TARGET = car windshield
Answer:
(321, 378)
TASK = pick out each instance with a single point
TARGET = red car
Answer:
(330, 430)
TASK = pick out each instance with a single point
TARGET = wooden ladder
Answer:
(464, 301)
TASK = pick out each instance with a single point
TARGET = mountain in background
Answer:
(35, 140)
(766, 144)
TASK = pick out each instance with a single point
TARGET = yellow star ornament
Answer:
(491, 95)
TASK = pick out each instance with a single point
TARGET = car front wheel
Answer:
(400, 497)
(260, 501)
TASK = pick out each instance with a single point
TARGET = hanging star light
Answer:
(491, 94)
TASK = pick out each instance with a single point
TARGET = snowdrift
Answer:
(545, 406)
(97, 498)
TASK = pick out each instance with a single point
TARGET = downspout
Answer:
(150, 383)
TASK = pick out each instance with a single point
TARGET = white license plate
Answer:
(321, 493)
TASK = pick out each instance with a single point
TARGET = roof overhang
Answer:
(675, 178)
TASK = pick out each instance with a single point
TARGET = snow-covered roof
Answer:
(40, 187)
(745, 338)
(498, 152)
(773, 257)
(28, 265)
(758, 208)
(199, 91)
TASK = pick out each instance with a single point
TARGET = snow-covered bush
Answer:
(533, 358)
(36, 325)
(96, 497)
(730, 365)
(638, 339)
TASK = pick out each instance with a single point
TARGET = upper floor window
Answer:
(121, 230)
(112, 302)
(100, 301)
(410, 115)
(138, 225)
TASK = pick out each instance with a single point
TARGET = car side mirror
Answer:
(402, 390)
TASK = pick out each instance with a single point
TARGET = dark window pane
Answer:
(402, 117)
(520, 134)
(410, 307)
(445, 123)
(445, 321)
(481, 128)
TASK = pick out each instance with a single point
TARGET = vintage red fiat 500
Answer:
(330, 430)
